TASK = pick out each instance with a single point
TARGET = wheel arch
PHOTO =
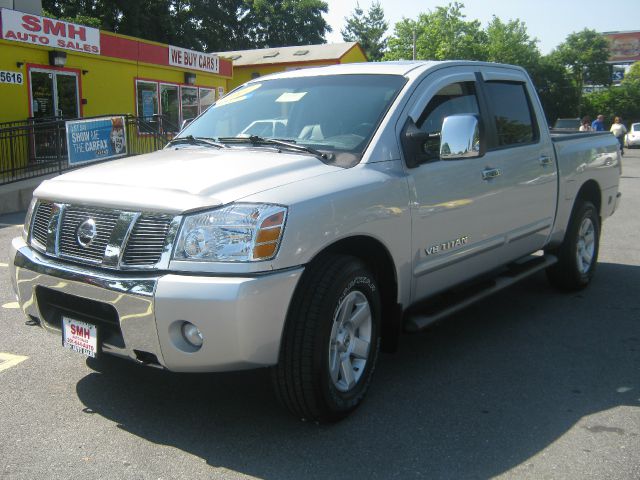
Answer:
(379, 260)
(590, 191)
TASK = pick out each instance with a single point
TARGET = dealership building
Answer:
(55, 69)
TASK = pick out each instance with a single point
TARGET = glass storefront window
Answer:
(207, 97)
(189, 100)
(170, 107)
(147, 96)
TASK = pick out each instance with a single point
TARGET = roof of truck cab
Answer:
(402, 67)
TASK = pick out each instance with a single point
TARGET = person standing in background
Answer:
(598, 124)
(585, 124)
(619, 131)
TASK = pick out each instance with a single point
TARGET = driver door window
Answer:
(456, 98)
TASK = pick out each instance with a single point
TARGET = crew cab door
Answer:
(471, 215)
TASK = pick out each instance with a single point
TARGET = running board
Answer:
(514, 273)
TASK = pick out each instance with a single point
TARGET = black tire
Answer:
(303, 378)
(572, 273)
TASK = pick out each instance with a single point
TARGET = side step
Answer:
(452, 302)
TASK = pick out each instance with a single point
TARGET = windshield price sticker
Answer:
(16, 78)
(79, 336)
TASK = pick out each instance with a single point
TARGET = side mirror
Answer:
(416, 144)
(460, 137)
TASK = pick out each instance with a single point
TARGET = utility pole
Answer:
(414, 43)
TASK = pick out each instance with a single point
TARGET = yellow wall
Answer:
(243, 74)
(354, 55)
(108, 84)
(14, 99)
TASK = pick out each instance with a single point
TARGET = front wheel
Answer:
(331, 340)
(578, 254)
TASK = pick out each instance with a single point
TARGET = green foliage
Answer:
(619, 101)
(279, 23)
(204, 24)
(510, 43)
(633, 75)
(442, 34)
(79, 19)
(558, 96)
(585, 55)
(368, 30)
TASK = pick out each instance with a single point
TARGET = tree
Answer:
(619, 101)
(442, 34)
(555, 90)
(206, 24)
(510, 43)
(633, 75)
(585, 54)
(279, 23)
(79, 19)
(368, 30)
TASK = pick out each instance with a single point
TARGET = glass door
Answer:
(54, 95)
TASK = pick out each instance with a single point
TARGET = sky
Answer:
(550, 21)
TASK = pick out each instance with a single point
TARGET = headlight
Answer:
(236, 233)
(27, 220)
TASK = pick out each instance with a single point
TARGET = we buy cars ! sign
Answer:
(183, 57)
(27, 28)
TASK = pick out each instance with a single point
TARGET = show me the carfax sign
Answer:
(48, 32)
(96, 139)
(185, 58)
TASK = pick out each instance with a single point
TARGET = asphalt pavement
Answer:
(527, 384)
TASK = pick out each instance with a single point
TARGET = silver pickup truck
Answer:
(308, 218)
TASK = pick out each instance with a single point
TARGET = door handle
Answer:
(489, 173)
(545, 161)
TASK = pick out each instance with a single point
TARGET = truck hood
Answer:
(182, 178)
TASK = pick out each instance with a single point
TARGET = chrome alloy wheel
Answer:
(586, 245)
(350, 341)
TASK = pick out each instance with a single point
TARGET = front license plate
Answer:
(79, 336)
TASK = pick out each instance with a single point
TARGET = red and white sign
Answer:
(79, 336)
(183, 57)
(48, 32)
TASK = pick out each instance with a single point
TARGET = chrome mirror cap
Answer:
(460, 137)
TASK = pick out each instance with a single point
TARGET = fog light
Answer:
(192, 335)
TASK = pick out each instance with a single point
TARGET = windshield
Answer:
(568, 123)
(336, 113)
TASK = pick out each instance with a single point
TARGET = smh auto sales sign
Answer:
(47, 32)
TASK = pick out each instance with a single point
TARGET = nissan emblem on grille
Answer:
(86, 232)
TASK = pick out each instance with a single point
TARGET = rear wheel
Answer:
(578, 254)
(331, 340)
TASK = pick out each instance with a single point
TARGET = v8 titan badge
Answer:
(79, 336)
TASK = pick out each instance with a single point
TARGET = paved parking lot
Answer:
(527, 384)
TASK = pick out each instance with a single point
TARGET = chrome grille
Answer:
(41, 221)
(147, 240)
(72, 218)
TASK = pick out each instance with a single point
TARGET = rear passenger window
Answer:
(456, 98)
(513, 117)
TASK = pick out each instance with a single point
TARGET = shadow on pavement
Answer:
(473, 396)
(11, 219)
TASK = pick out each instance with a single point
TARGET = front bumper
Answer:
(139, 315)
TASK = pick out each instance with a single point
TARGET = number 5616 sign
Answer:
(16, 78)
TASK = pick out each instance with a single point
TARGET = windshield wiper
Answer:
(191, 140)
(256, 140)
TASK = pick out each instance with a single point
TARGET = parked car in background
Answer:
(632, 138)
(567, 124)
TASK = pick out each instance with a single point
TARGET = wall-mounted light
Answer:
(19, 64)
(57, 59)
(189, 78)
(84, 72)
